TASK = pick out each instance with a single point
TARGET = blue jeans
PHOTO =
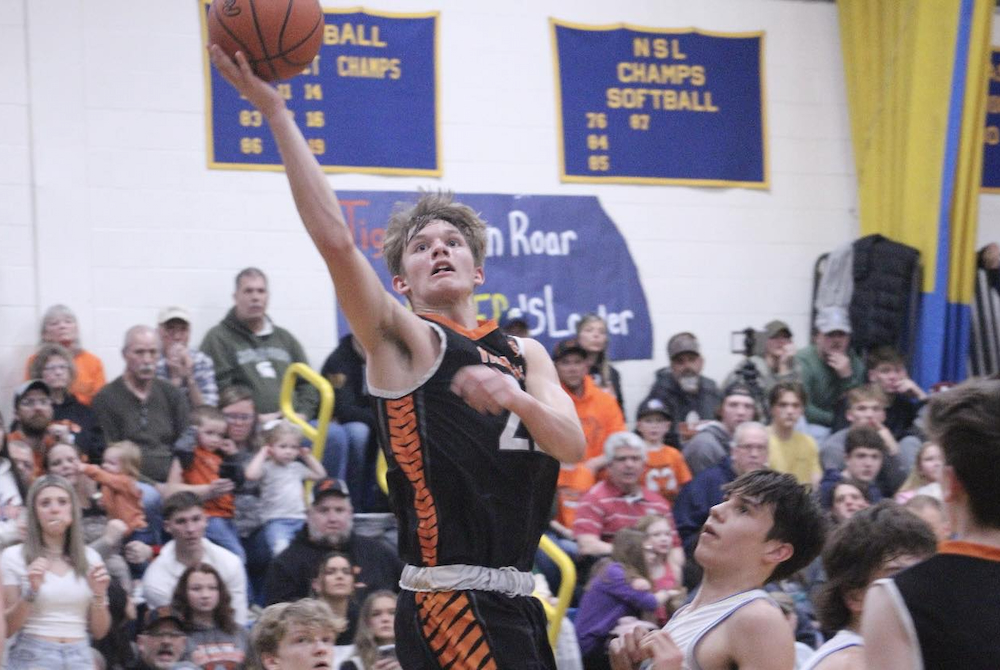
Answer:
(279, 533)
(222, 532)
(344, 457)
(258, 558)
(30, 653)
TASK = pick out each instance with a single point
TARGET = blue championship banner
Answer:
(554, 257)
(651, 106)
(991, 137)
(368, 103)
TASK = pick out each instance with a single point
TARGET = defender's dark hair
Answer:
(798, 519)
(965, 421)
(860, 547)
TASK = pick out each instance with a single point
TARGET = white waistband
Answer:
(507, 581)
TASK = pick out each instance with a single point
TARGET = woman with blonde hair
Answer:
(592, 333)
(54, 586)
(375, 639)
(59, 326)
(925, 475)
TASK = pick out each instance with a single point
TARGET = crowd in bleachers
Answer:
(147, 519)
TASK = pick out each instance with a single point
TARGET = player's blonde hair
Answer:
(408, 220)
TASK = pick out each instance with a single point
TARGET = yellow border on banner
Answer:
(989, 189)
(563, 177)
(330, 169)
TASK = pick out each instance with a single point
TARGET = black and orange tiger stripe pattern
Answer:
(452, 631)
(404, 440)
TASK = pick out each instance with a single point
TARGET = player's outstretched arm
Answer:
(545, 409)
(369, 308)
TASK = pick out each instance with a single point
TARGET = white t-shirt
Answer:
(162, 575)
(62, 604)
(281, 492)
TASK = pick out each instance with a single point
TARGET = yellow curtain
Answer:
(916, 73)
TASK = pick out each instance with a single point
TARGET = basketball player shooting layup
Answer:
(472, 422)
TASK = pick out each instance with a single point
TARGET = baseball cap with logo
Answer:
(329, 487)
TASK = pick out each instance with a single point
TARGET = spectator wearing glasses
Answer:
(54, 365)
(59, 326)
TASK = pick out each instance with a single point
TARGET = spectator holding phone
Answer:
(374, 643)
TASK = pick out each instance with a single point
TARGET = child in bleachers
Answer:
(281, 474)
(666, 470)
(120, 496)
(203, 477)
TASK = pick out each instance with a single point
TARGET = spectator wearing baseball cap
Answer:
(666, 470)
(330, 527)
(829, 369)
(711, 444)
(691, 396)
(776, 362)
(32, 417)
(163, 641)
(600, 416)
(188, 369)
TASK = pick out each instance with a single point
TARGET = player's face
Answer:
(787, 411)
(847, 501)
(736, 531)
(653, 427)
(594, 336)
(302, 648)
(251, 298)
(626, 468)
(866, 413)
(864, 464)
(438, 268)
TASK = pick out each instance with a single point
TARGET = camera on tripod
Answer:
(747, 343)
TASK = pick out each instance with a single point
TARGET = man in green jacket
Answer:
(828, 368)
(247, 348)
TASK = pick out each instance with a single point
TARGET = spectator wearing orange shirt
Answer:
(600, 416)
(59, 326)
(666, 470)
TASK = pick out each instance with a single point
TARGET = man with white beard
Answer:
(681, 386)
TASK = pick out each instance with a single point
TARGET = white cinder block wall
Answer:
(106, 203)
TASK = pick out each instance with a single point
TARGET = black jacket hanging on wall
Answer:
(884, 273)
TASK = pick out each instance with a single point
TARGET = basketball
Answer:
(280, 38)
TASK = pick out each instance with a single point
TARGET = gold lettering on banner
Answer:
(355, 34)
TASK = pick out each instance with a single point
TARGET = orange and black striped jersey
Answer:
(466, 488)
